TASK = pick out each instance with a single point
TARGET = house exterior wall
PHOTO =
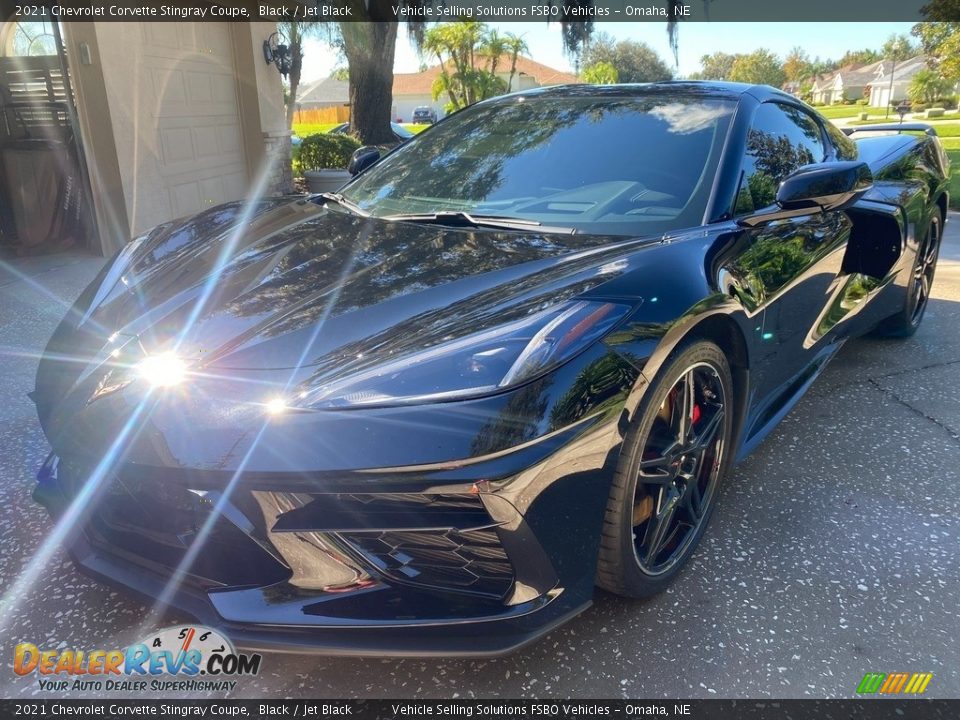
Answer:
(880, 95)
(175, 117)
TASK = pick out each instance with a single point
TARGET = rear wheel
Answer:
(906, 322)
(674, 458)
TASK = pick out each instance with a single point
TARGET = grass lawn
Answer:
(954, 154)
(304, 129)
(944, 129)
(948, 132)
(834, 112)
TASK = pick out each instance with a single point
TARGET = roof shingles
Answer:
(421, 83)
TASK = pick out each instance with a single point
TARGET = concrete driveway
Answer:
(835, 550)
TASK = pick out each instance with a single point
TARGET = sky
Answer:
(827, 40)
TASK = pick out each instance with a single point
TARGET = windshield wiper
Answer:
(459, 218)
(343, 202)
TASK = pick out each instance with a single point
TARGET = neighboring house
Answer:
(412, 90)
(325, 93)
(159, 119)
(847, 83)
(794, 87)
(883, 92)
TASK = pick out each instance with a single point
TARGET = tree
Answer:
(928, 85)
(858, 57)
(469, 54)
(634, 61)
(369, 42)
(898, 47)
(294, 32)
(600, 73)
(761, 67)
(715, 67)
(516, 46)
(940, 41)
(798, 66)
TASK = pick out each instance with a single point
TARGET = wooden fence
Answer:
(319, 116)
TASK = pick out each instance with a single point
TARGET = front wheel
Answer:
(906, 322)
(673, 461)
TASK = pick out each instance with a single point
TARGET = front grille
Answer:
(470, 561)
(153, 523)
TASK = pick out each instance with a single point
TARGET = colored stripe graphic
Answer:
(870, 683)
(894, 683)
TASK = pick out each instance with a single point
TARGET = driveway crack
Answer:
(892, 394)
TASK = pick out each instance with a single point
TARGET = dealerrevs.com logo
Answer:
(182, 659)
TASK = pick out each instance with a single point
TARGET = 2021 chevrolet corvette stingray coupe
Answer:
(510, 361)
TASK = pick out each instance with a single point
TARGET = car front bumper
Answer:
(476, 566)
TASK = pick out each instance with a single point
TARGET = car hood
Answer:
(295, 284)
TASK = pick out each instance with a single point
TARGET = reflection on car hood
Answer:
(292, 284)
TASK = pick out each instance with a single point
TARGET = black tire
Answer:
(906, 322)
(621, 569)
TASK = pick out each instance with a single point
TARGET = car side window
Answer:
(845, 148)
(781, 139)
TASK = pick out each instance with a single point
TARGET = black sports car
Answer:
(512, 360)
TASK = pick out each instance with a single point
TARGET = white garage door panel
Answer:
(189, 99)
(190, 195)
(204, 143)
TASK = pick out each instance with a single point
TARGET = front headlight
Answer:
(478, 364)
(160, 370)
(164, 370)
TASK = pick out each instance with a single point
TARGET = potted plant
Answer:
(324, 158)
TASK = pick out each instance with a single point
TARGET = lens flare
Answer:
(276, 405)
(165, 370)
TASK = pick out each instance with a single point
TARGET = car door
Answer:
(787, 267)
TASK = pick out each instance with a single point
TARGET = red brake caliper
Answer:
(695, 415)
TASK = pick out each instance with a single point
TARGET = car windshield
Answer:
(601, 165)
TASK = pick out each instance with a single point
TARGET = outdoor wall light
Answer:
(276, 53)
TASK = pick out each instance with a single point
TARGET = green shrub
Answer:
(295, 160)
(327, 150)
(862, 101)
(948, 103)
(918, 107)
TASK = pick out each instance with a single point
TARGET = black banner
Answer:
(492, 10)
(893, 709)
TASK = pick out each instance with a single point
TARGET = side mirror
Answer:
(817, 188)
(827, 186)
(363, 158)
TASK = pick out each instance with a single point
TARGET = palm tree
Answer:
(516, 46)
(295, 32)
(494, 46)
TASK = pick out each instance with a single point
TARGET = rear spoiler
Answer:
(895, 127)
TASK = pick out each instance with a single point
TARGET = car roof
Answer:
(705, 88)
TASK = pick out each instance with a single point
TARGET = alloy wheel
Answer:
(923, 272)
(679, 468)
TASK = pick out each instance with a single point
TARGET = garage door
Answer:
(188, 105)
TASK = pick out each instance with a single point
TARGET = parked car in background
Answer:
(399, 131)
(424, 115)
